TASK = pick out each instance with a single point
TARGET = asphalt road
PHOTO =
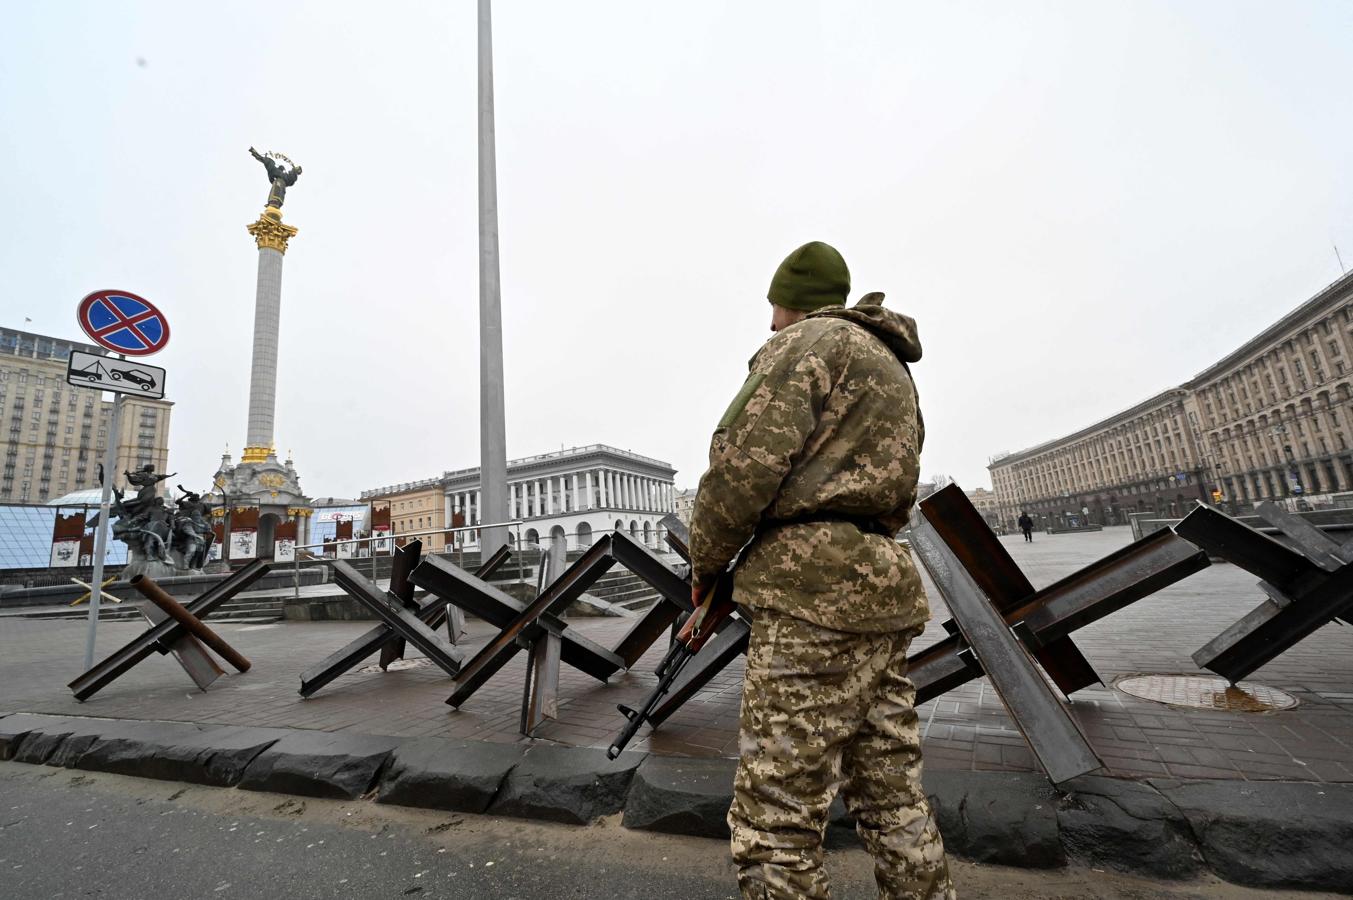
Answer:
(69, 834)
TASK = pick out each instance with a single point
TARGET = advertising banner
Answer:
(67, 533)
(65, 554)
(243, 543)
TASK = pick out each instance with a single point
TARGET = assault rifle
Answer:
(698, 628)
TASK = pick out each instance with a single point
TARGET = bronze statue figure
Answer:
(161, 540)
(146, 479)
(193, 534)
(280, 176)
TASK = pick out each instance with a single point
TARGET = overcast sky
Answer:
(1080, 203)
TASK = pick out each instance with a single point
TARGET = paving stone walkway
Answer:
(967, 729)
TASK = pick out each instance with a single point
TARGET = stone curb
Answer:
(461, 776)
(1269, 834)
(339, 766)
(574, 785)
(681, 796)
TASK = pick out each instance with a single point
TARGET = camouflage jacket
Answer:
(827, 424)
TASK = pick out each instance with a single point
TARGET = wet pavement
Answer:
(966, 729)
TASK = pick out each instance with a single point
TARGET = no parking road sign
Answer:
(123, 322)
(128, 325)
(110, 374)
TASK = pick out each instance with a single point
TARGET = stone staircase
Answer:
(108, 612)
(240, 610)
(622, 588)
(249, 610)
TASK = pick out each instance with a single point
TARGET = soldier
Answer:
(812, 471)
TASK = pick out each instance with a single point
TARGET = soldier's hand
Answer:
(698, 591)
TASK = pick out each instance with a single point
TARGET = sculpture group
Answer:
(160, 541)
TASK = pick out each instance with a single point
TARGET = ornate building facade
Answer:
(1271, 420)
(570, 495)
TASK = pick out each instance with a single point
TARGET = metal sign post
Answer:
(101, 536)
(126, 324)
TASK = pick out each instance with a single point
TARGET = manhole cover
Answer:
(418, 662)
(1206, 692)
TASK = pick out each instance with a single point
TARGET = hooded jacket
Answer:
(825, 430)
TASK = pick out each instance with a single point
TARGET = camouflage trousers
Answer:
(824, 710)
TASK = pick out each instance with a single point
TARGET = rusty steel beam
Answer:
(484, 572)
(187, 651)
(1302, 595)
(397, 618)
(731, 640)
(452, 584)
(1051, 733)
(674, 590)
(162, 636)
(1138, 570)
(500, 609)
(967, 535)
(1143, 567)
(1222, 536)
(1310, 541)
(1314, 544)
(405, 561)
(147, 588)
(542, 681)
(1269, 630)
(432, 612)
(526, 627)
(957, 522)
(678, 536)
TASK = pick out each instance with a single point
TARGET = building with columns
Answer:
(1270, 421)
(1142, 460)
(570, 495)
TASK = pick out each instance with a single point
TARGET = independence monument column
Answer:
(267, 510)
(271, 236)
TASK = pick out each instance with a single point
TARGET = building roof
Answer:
(1166, 396)
(542, 461)
(41, 346)
(85, 497)
(1311, 308)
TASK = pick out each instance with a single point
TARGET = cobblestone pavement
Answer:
(966, 729)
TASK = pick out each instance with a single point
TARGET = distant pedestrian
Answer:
(1026, 525)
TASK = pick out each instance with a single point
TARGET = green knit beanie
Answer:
(810, 278)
